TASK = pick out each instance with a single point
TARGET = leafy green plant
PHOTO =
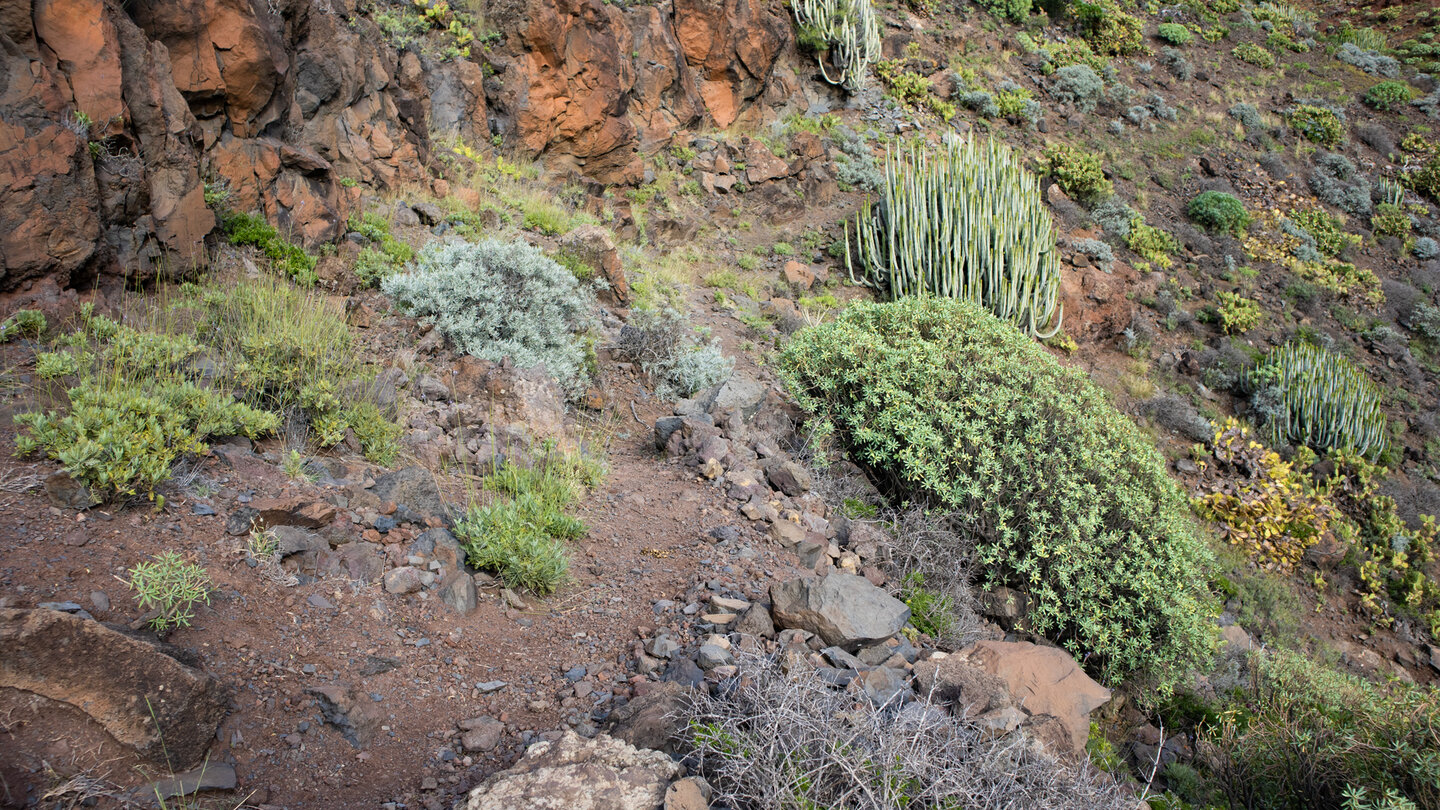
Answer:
(1236, 313)
(24, 323)
(1315, 397)
(501, 299)
(1079, 173)
(374, 264)
(1388, 95)
(930, 612)
(289, 259)
(1300, 734)
(1317, 124)
(54, 365)
(1065, 497)
(975, 196)
(1219, 211)
(171, 586)
(522, 537)
(1175, 34)
(1150, 243)
(1390, 220)
(1109, 29)
(845, 35)
(1252, 54)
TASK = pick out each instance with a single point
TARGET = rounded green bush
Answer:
(1064, 497)
(1389, 94)
(1175, 34)
(1219, 211)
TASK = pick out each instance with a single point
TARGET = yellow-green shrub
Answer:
(1065, 497)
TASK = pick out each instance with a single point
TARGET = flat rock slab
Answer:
(164, 710)
(1043, 680)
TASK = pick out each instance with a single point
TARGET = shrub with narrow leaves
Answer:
(501, 299)
(1219, 211)
(1065, 497)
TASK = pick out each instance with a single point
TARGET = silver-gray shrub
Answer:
(1178, 65)
(1247, 115)
(1079, 85)
(497, 299)
(773, 739)
(980, 101)
(1372, 62)
(1161, 108)
(1098, 251)
(665, 346)
(1425, 249)
(1337, 182)
(1114, 216)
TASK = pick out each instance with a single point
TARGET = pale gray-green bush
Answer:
(1079, 85)
(497, 299)
(665, 347)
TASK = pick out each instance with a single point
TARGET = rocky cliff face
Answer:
(114, 118)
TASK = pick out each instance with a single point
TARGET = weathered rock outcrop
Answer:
(115, 119)
(166, 711)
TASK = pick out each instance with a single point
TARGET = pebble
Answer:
(316, 600)
(202, 509)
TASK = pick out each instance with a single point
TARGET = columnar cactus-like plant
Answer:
(847, 30)
(1322, 400)
(964, 221)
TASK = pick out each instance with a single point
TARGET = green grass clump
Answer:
(1175, 34)
(1080, 174)
(1317, 124)
(374, 264)
(1388, 95)
(1252, 54)
(967, 222)
(1219, 211)
(1299, 734)
(288, 258)
(1314, 397)
(522, 538)
(1066, 498)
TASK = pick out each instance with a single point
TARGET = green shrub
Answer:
(1317, 124)
(976, 195)
(501, 299)
(1303, 735)
(1110, 30)
(845, 36)
(1390, 220)
(1150, 243)
(1252, 54)
(1079, 173)
(26, 322)
(1219, 211)
(290, 259)
(1328, 231)
(1236, 313)
(1389, 94)
(1065, 497)
(290, 351)
(1315, 397)
(1175, 34)
(1016, 11)
(172, 587)
(522, 538)
(135, 409)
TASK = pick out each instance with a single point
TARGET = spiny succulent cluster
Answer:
(1319, 399)
(964, 221)
(847, 30)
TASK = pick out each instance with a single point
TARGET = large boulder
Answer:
(1043, 681)
(843, 609)
(142, 696)
(573, 773)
